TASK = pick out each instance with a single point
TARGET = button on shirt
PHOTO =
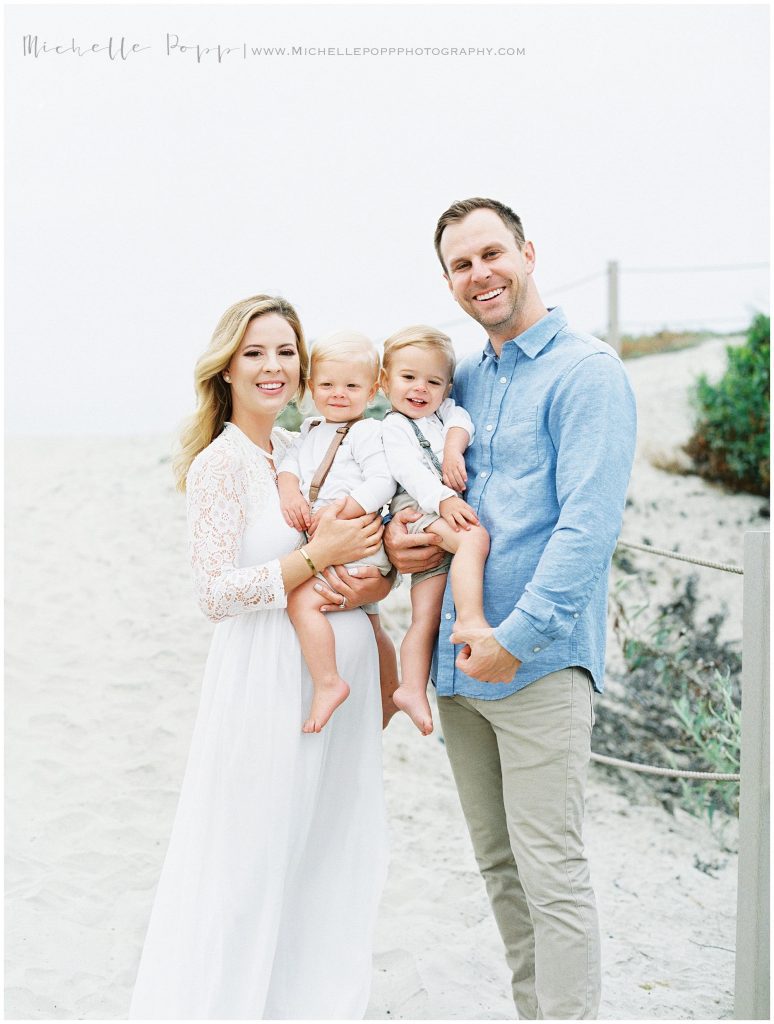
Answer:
(548, 469)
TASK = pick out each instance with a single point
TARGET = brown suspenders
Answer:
(324, 468)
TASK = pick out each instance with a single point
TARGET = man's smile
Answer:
(486, 296)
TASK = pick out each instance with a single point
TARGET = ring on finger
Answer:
(343, 602)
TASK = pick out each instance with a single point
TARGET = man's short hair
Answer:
(459, 210)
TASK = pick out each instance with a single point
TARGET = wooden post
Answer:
(751, 1001)
(613, 330)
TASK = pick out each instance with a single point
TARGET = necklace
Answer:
(270, 464)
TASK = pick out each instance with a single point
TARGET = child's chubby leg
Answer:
(416, 651)
(388, 668)
(470, 549)
(319, 648)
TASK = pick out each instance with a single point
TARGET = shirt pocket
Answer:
(516, 448)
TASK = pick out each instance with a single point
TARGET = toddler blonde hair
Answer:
(347, 346)
(423, 337)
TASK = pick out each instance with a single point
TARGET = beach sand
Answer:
(105, 651)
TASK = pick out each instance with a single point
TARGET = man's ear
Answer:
(528, 252)
(447, 279)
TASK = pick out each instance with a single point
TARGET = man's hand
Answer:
(483, 657)
(411, 552)
(361, 584)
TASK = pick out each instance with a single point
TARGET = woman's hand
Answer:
(344, 540)
(315, 519)
(362, 584)
(411, 552)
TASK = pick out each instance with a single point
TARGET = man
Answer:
(547, 474)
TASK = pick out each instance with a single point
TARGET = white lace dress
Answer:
(268, 896)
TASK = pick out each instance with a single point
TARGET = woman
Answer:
(268, 895)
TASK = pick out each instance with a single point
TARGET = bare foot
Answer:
(326, 699)
(416, 706)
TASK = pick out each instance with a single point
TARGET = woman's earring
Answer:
(226, 378)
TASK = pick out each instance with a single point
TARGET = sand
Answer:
(105, 651)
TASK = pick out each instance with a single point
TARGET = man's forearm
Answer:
(593, 405)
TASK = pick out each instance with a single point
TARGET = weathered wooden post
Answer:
(751, 1000)
(613, 330)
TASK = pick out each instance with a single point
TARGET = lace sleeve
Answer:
(217, 505)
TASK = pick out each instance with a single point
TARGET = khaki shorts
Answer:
(404, 500)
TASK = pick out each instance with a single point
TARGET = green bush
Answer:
(682, 693)
(731, 439)
(291, 419)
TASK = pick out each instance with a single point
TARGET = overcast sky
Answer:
(145, 195)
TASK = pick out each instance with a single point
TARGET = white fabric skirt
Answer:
(267, 900)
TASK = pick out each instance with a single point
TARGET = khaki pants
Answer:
(520, 767)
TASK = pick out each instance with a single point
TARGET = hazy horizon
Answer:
(146, 194)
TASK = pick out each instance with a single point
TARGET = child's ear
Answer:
(374, 389)
(382, 382)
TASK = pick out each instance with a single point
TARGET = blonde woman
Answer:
(268, 895)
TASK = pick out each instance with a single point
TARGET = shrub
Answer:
(682, 692)
(291, 419)
(731, 439)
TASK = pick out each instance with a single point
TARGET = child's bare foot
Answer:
(416, 706)
(327, 697)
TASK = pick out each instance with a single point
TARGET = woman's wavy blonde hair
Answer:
(212, 392)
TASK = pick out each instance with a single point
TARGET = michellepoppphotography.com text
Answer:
(186, 50)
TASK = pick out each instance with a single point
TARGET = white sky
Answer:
(145, 196)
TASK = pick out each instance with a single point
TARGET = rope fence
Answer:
(680, 558)
(652, 769)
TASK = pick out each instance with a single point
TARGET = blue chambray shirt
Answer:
(548, 469)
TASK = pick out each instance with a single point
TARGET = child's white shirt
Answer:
(405, 456)
(359, 471)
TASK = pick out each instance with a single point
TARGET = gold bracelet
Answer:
(308, 560)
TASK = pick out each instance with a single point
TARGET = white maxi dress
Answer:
(267, 900)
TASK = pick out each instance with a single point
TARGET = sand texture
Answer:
(105, 651)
